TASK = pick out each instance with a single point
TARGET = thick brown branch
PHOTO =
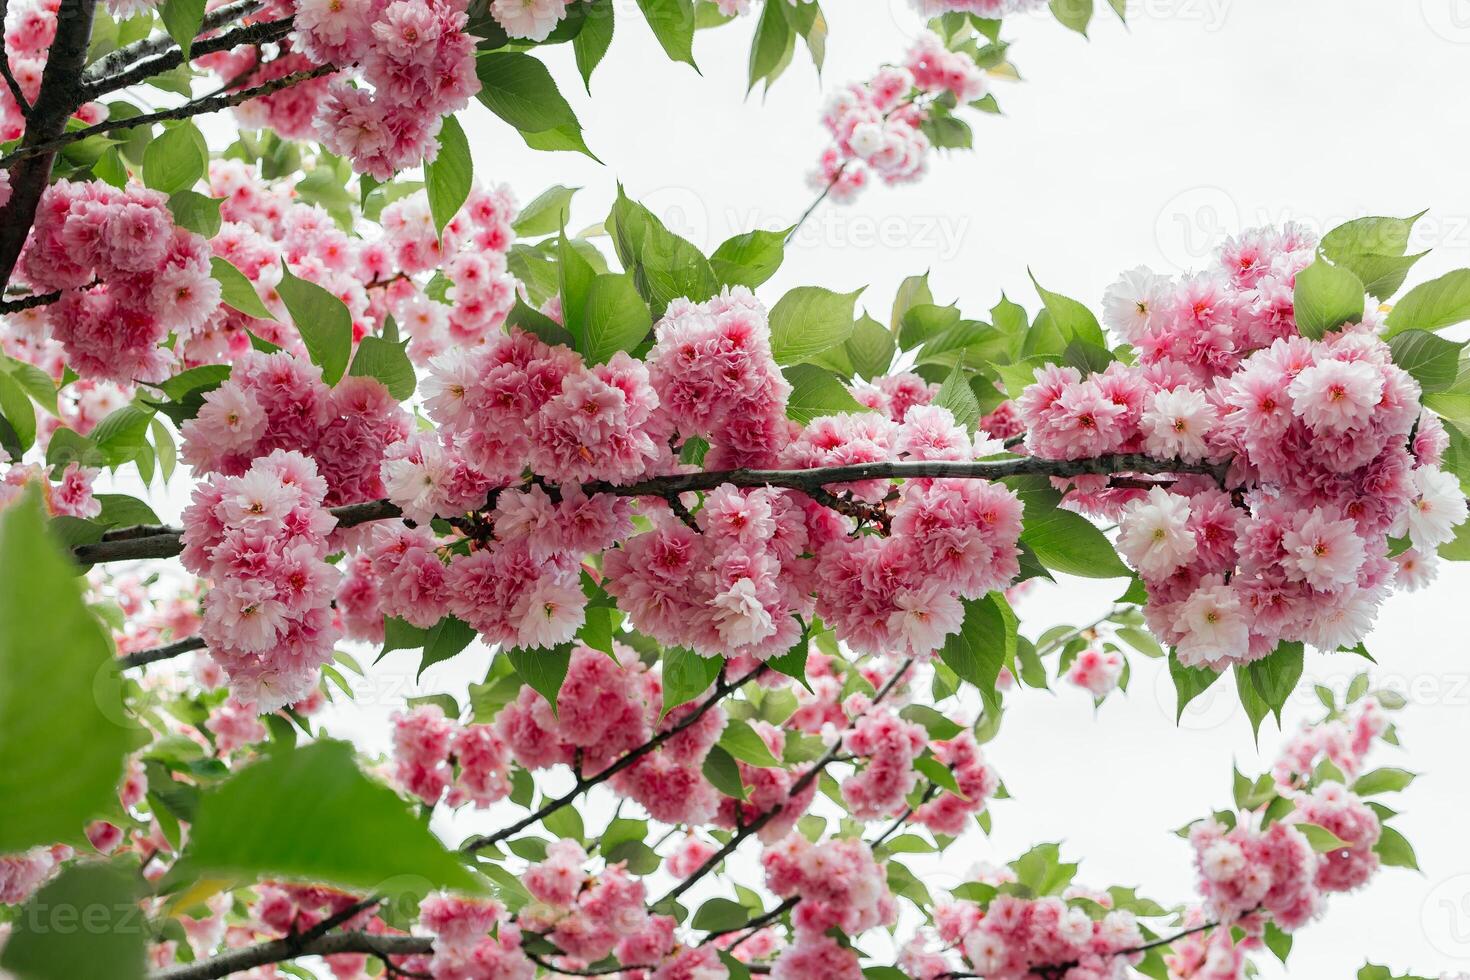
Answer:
(164, 542)
(28, 302)
(198, 107)
(55, 103)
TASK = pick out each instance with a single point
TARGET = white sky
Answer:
(1142, 146)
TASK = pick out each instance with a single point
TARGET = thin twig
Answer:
(198, 107)
(290, 948)
(801, 783)
(258, 33)
(116, 61)
(585, 783)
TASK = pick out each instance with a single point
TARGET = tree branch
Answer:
(259, 33)
(123, 57)
(124, 544)
(801, 783)
(291, 947)
(141, 658)
(55, 103)
(198, 107)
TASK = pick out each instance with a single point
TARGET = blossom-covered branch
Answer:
(127, 544)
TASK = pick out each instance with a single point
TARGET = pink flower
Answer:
(1325, 552)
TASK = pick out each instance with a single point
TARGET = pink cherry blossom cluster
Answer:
(464, 948)
(717, 380)
(774, 796)
(261, 539)
(375, 278)
(604, 709)
(433, 756)
(949, 813)
(533, 20)
(1016, 938)
(950, 540)
(418, 62)
(875, 125)
(129, 278)
(278, 402)
(21, 874)
(70, 496)
(1318, 439)
(838, 885)
(30, 27)
(471, 254)
(888, 746)
(1343, 742)
(585, 915)
(1096, 671)
(290, 111)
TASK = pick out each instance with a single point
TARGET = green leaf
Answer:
(447, 178)
(519, 89)
(388, 362)
(742, 742)
(37, 383)
(547, 214)
(1326, 296)
(720, 915)
(122, 434)
(1065, 541)
(1395, 850)
(985, 643)
(565, 822)
(176, 159)
(808, 320)
(1075, 321)
(672, 22)
(937, 725)
(237, 291)
(663, 265)
(1073, 14)
(181, 18)
(723, 774)
(938, 773)
(544, 670)
(1189, 682)
(955, 394)
(445, 639)
(1385, 780)
(687, 675)
(1275, 677)
(120, 510)
(1373, 250)
(323, 321)
(1321, 839)
(86, 923)
(614, 318)
(311, 814)
(1433, 361)
(870, 348)
(593, 40)
(196, 212)
(772, 46)
(1433, 304)
(63, 731)
(749, 259)
(17, 410)
(816, 392)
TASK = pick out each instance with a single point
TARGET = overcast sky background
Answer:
(1145, 145)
